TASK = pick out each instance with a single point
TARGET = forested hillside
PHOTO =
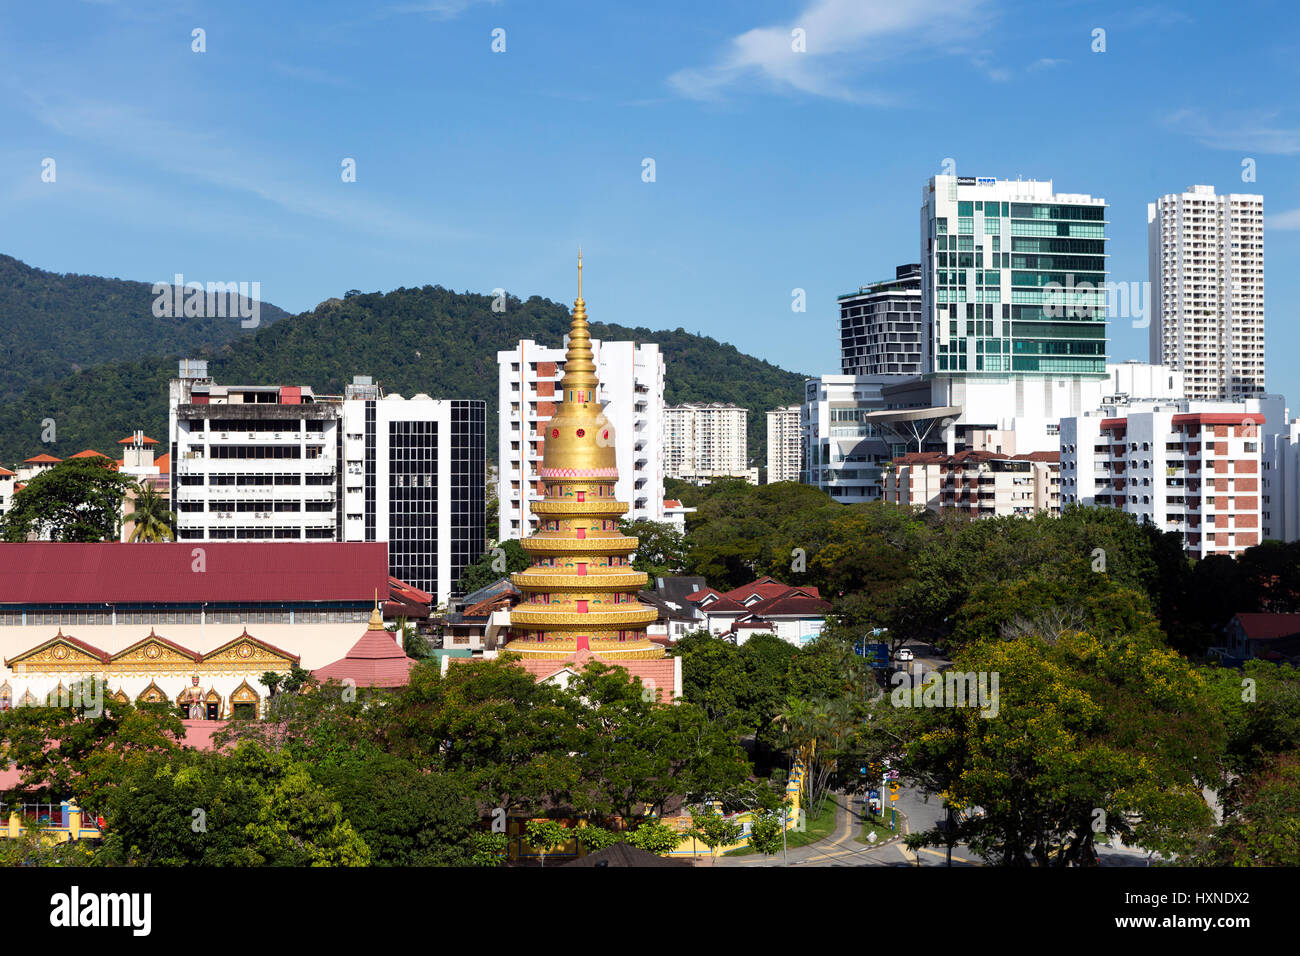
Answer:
(53, 325)
(428, 339)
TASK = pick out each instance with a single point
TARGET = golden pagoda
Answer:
(581, 591)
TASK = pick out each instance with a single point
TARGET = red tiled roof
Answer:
(42, 459)
(374, 661)
(130, 440)
(400, 590)
(6, 471)
(766, 588)
(790, 605)
(164, 463)
(1264, 627)
(672, 503)
(42, 572)
(1049, 456)
(89, 453)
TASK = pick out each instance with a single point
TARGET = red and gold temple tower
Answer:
(581, 591)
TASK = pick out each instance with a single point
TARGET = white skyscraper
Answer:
(784, 444)
(1206, 256)
(632, 391)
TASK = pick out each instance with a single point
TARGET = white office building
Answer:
(1206, 260)
(278, 462)
(784, 444)
(632, 393)
(707, 440)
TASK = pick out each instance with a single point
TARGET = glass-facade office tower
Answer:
(1014, 278)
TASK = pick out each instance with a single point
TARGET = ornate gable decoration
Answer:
(60, 654)
(152, 695)
(246, 652)
(154, 653)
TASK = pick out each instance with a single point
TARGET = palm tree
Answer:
(153, 520)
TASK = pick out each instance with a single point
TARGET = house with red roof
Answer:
(795, 613)
(31, 467)
(1270, 637)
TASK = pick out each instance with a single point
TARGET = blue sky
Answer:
(774, 170)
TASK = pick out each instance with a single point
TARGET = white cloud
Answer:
(208, 156)
(1046, 63)
(1283, 220)
(841, 36)
(1255, 132)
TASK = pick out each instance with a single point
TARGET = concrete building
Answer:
(981, 484)
(632, 391)
(1013, 303)
(274, 462)
(707, 440)
(1186, 466)
(881, 331)
(413, 476)
(1206, 260)
(784, 444)
(158, 623)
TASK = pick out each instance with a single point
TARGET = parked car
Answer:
(904, 654)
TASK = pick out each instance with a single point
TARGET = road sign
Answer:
(873, 794)
(877, 655)
(892, 775)
(893, 791)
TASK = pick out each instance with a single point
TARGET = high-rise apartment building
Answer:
(632, 391)
(880, 326)
(1206, 256)
(784, 444)
(707, 440)
(278, 462)
(1186, 466)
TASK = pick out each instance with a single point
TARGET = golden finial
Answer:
(579, 273)
(376, 616)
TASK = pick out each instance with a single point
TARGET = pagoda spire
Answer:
(581, 591)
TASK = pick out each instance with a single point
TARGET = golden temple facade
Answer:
(581, 591)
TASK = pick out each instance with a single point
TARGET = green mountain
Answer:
(53, 325)
(429, 340)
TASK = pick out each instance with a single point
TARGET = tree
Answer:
(767, 833)
(1081, 736)
(655, 837)
(714, 830)
(595, 839)
(489, 849)
(505, 559)
(405, 817)
(1262, 823)
(77, 500)
(153, 520)
(244, 807)
(661, 548)
(545, 836)
(83, 752)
